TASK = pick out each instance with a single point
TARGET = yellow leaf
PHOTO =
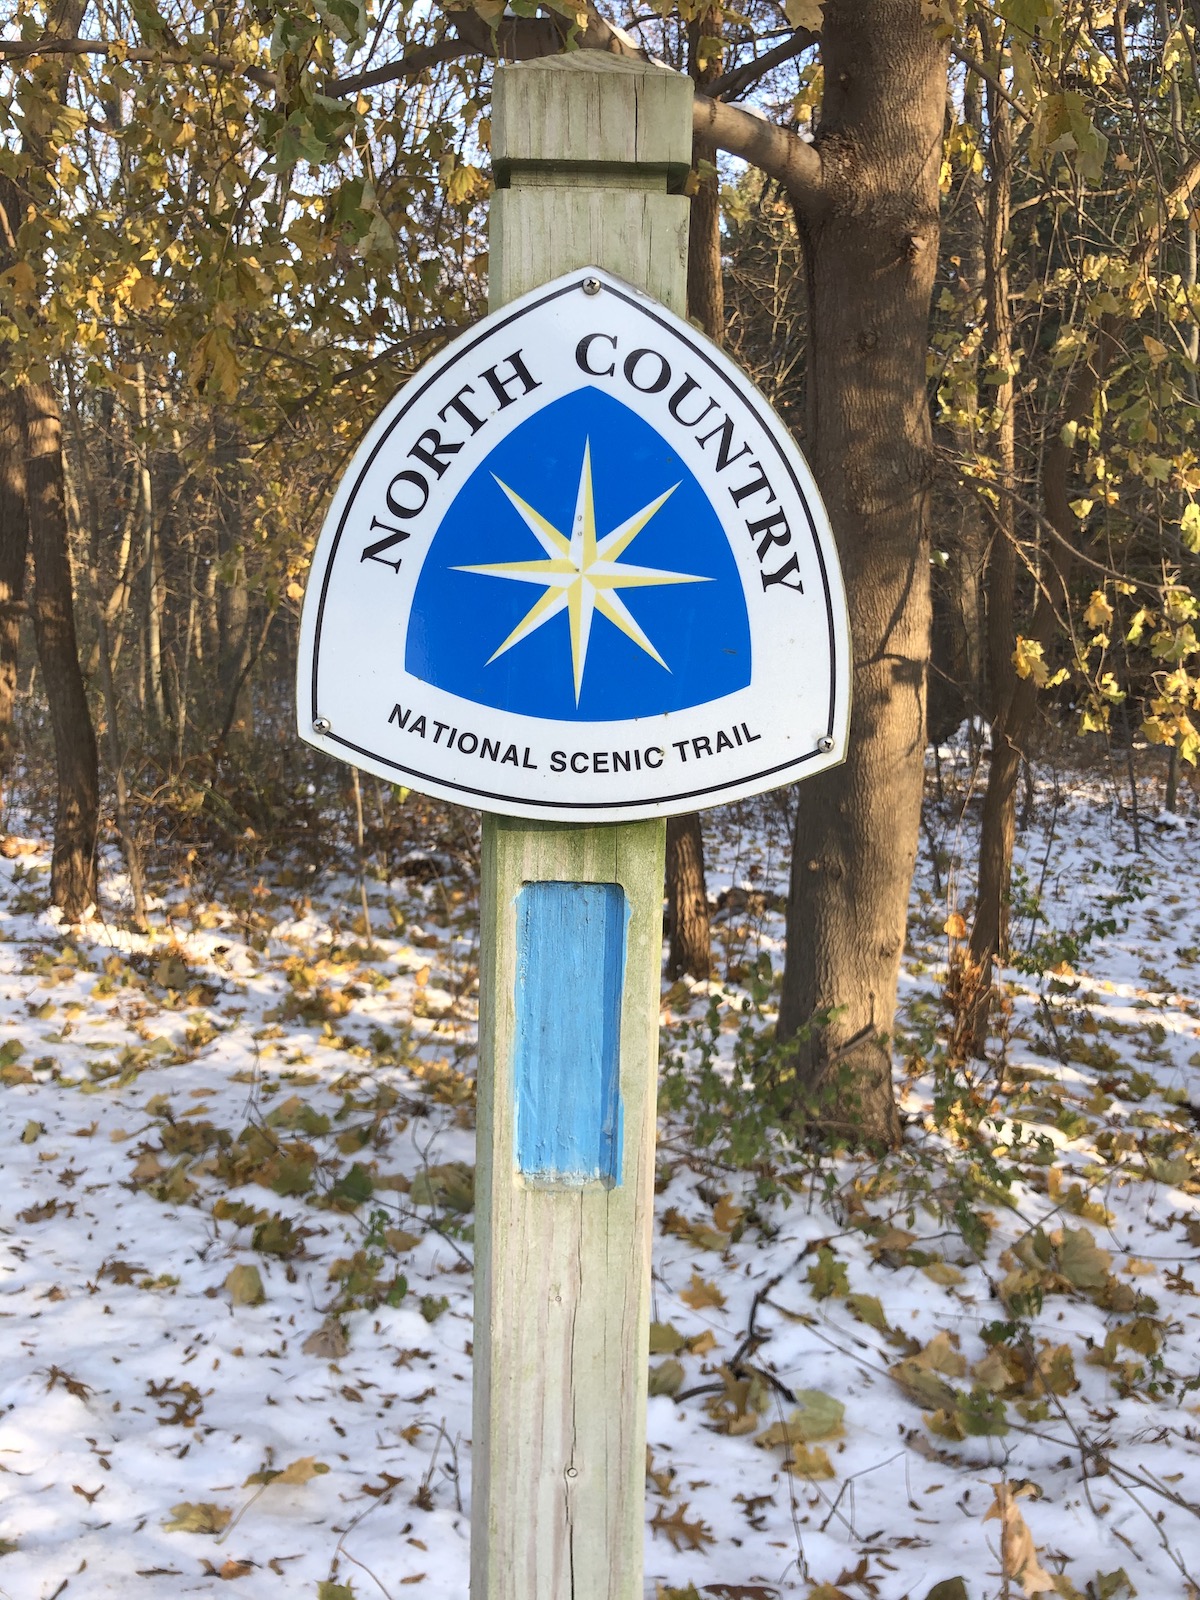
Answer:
(1029, 660)
(810, 1461)
(956, 925)
(942, 1272)
(1099, 613)
(197, 1517)
(939, 1355)
(302, 1470)
(245, 1286)
(1155, 349)
(23, 280)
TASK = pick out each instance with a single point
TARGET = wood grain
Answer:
(563, 1274)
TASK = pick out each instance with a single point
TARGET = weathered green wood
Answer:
(588, 146)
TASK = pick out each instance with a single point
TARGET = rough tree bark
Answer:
(957, 674)
(871, 239)
(14, 546)
(689, 929)
(14, 525)
(233, 596)
(1010, 705)
(73, 865)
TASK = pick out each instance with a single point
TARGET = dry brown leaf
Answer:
(700, 1293)
(684, 1535)
(328, 1342)
(939, 1355)
(1018, 1553)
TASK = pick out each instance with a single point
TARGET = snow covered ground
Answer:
(235, 1249)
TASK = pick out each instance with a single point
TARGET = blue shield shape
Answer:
(581, 574)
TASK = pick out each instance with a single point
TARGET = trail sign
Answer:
(578, 570)
(576, 574)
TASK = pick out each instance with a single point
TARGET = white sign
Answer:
(578, 570)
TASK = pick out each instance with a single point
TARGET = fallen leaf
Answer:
(245, 1286)
(827, 1276)
(868, 1308)
(450, 1185)
(1018, 1554)
(701, 1293)
(198, 1517)
(684, 1535)
(299, 1471)
(1080, 1259)
(817, 1416)
(942, 1273)
(398, 1240)
(666, 1378)
(329, 1341)
(810, 1461)
(939, 1355)
(229, 1569)
(930, 1391)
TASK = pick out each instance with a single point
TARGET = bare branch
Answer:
(737, 80)
(515, 39)
(779, 152)
(21, 50)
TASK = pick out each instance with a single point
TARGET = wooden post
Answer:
(587, 148)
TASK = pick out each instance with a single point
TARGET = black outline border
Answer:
(768, 422)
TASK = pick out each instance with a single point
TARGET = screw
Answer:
(322, 725)
(825, 744)
(572, 1472)
(592, 286)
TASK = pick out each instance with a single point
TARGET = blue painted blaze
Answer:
(570, 977)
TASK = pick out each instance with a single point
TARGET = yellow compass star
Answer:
(581, 574)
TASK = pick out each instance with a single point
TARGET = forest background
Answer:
(960, 259)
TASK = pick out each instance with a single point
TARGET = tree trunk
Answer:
(687, 900)
(14, 548)
(706, 284)
(76, 822)
(956, 662)
(871, 251)
(233, 595)
(14, 522)
(155, 699)
(1007, 696)
(689, 932)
